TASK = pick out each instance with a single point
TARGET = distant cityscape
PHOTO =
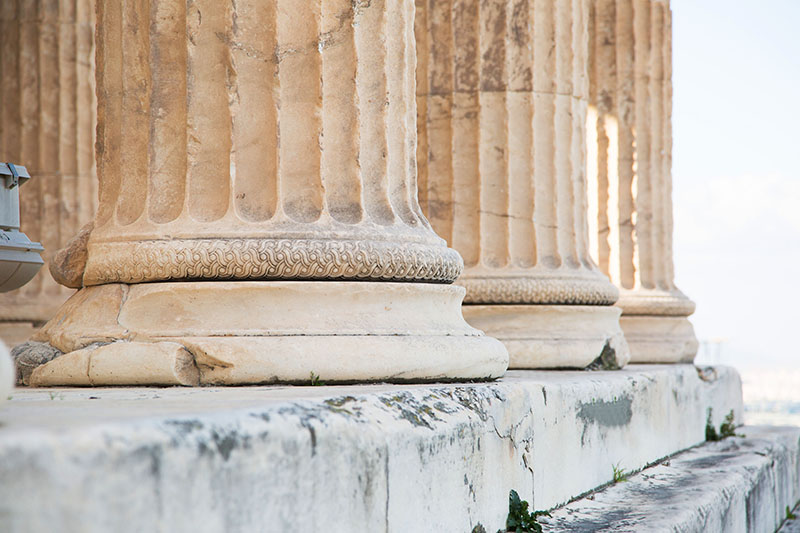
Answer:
(771, 393)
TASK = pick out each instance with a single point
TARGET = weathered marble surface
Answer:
(554, 336)
(257, 140)
(254, 142)
(339, 459)
(735, 485)
(659, 338)
(629, 146)
(502, 96)
(47, 104)
(255, 332)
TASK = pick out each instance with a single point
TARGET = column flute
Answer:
(630, 147)
(502, 99)
(258, 217)
(48, 123)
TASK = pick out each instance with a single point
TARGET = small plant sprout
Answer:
(789, 514)
(619, 473)
(726, 429)
(519, 518)
(711, 432)
(315, 382)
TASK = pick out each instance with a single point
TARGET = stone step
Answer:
(404, 458)
(737, 484)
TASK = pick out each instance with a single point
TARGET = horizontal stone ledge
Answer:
(344, 458)
(743, 483)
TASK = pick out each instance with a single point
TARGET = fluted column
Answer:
(265, 140)
(630, 146)
(48, 120)
(502, 99)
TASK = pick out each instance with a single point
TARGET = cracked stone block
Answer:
(245, 459)
(120, 363)
(737, 484)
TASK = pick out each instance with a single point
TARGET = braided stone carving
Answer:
(645, 302)
(264, 259)
(539, 290)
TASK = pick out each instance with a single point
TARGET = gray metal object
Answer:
(20, 258)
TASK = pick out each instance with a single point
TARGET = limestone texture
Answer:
(629, 173)
(660, 338)
(47, 101)
(68, 264)
(740, 484)
(502, 96)
(242, 147)
(340, 458)
(216, 332)
(259, 140)
(554, 336)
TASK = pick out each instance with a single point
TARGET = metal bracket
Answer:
(13, 175)
(13, 180)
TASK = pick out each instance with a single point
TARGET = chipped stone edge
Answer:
(482, 433)
(737, 484)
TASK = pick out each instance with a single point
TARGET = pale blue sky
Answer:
(736, 170)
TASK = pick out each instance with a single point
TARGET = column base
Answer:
(237, 333)
(554, 336)
(660, 339)
(655, 302)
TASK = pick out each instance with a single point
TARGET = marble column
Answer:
(48, 119)
(630, 153)
(502, 99)
(258, 217)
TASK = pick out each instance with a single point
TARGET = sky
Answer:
(736, 176)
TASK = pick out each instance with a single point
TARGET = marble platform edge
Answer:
(739, 484)
(374, 457)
